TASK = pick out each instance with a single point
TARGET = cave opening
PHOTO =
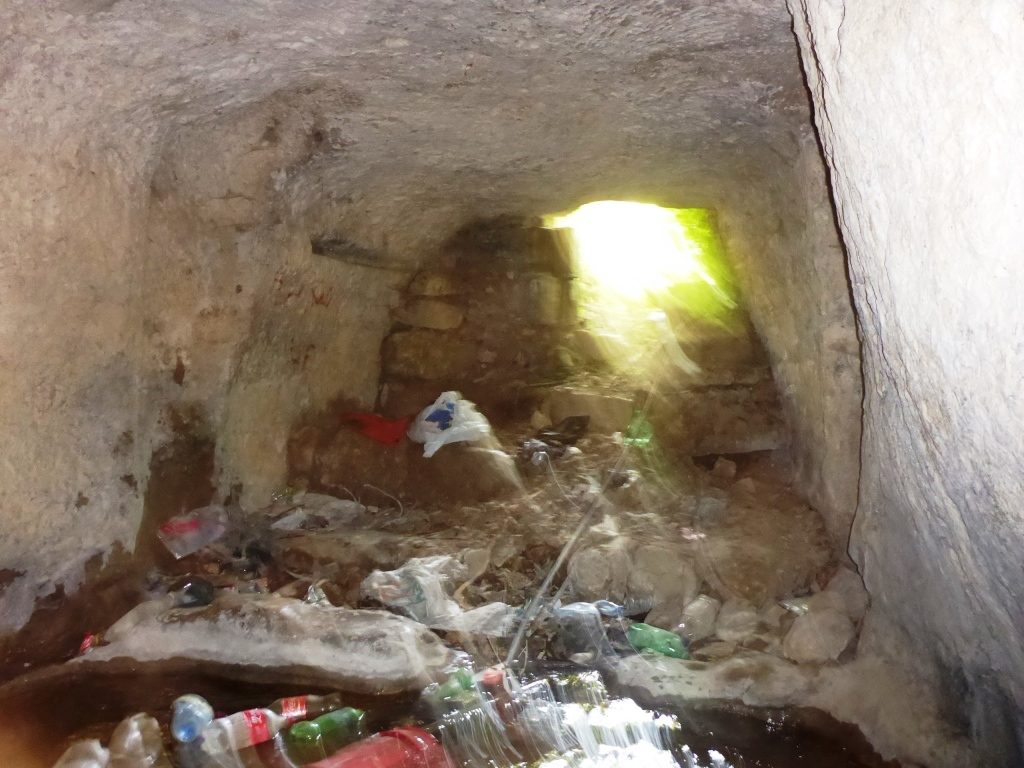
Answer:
(344, 340)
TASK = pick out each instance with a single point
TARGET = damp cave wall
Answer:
(780, 235)
(918, 109)
(156, 261)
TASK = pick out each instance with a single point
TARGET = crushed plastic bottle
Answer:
(645, 637)
(188, 533)
(190, 715)
(581, 631)
(315, 595)
(87, 753)
(137, 743)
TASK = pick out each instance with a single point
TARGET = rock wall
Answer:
(152, 290)
(781, 234)
(917, 105)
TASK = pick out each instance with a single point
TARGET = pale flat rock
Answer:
(608, 412)
(737, 621)
(663, 580)
(431, 313)
(897, 712)
(600, 573)
(372, 652)
(847, 585)
(427, 283)
(818, 636)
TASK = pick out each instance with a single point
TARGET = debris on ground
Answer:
(680, 559)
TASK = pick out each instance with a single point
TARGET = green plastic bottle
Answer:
(640, 432)
(458, 682)
(457, 692)
(341, 727)
(305, 742)
(645, 637)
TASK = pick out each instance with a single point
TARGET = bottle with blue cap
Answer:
(190, 715)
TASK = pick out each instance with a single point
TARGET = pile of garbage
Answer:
(485, 719)
(631, 583)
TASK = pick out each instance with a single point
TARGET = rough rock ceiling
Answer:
(538, 103)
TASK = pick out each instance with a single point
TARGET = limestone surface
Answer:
(371, 652)
(918, 169)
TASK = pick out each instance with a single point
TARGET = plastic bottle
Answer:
(457, 692)
(645, 637)
(640, 432)
(581, 631)
(305, 743)
(86, 753)
(610, 609)
(190, 715)
(137, 743)
(397, 748)
(296, 708)
(227, 735)
(341, 727)
(493, 684)
(188, 533)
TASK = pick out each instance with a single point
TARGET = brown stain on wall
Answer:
(180, 479)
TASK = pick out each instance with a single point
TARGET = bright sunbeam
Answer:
(634, 249)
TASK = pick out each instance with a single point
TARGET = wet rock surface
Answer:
(368, 652)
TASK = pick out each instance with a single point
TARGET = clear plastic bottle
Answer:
(188, 533)
(228, 735)
(137, 743)
(86, 753)
(190, 716)
(581, 631)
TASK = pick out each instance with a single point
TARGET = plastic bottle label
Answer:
(256, 725)
(294, 708)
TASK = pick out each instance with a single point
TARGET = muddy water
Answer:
(777, 738)
(42, 713)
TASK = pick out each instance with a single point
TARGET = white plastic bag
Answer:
(450, 419)
(419, 589)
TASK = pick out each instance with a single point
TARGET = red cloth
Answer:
(376, 427)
